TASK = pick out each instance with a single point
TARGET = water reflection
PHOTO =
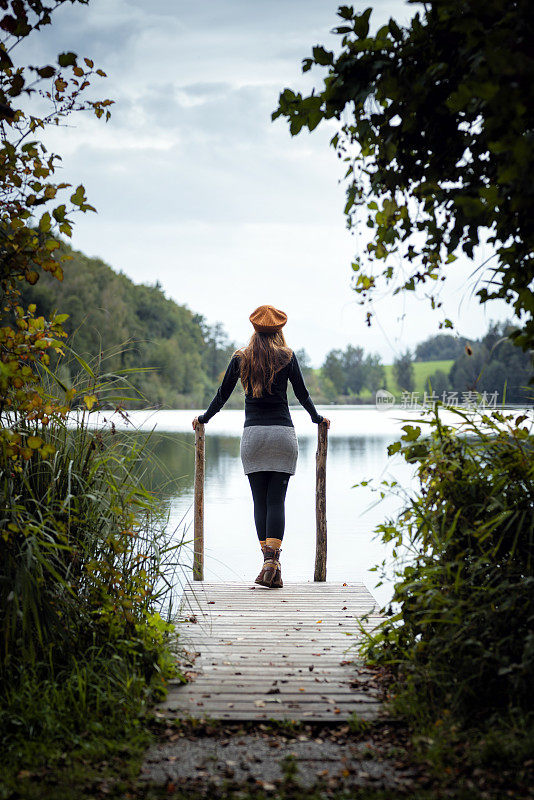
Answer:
(231, 546)
(357, 450)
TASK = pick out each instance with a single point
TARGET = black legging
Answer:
(269, 494)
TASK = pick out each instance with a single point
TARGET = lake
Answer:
(357, 450)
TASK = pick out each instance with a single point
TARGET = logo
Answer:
(384, 399)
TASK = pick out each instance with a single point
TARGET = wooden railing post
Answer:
(320, 503)
(198, 553)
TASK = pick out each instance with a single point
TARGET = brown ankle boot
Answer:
(260, 576)
(271, 573)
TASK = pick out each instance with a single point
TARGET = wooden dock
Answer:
(283, 654)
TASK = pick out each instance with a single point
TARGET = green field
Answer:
(422, 369)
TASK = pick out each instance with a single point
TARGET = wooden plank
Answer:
(291, 588)
(211, 608)
(291, 707)
(328, 714)
(329, 667)
(296, 589)
(274, 655)
(252, 681)
(306, 692)
(309, 613)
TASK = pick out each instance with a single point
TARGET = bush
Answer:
(460, 628)
(76, 551)
(83, 576)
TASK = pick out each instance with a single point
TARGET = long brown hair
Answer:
(264, 356)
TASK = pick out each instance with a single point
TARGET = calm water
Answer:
(357, 450)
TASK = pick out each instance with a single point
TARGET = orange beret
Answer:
(268, 319)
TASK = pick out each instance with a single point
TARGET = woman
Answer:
(269, 448)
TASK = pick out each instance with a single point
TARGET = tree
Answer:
(32, 217)
(375, 374)
(329, 390)
(304, 362)
(403, 372)
(333, 369)
(354, 369)
(217, 348)
(492, 364)
(436, 121)
(441, 347)
(438, 383)
(137, 327)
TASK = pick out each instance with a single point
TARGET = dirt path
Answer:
(265, 757)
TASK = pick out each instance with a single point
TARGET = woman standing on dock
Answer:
(269, 447)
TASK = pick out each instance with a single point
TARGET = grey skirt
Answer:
(269, 447)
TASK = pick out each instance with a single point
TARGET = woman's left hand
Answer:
(195, 423)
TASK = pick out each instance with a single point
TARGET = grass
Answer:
(75, 726)
(87, 563)
(107, 767)
(422, 370)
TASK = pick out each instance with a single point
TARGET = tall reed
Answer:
(86, 565)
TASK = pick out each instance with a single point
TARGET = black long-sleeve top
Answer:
(272, 408)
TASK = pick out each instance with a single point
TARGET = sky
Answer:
(197, 189)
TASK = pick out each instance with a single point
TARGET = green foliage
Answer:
(493, 364)
(489, 364)
(82, 549)
(79, 537)
(443, 346)
(357, 724)
(139, 328)
(217, 349)
(85, 568)
(438, 383)
(45, 712)
(435, 127)
(459, 627)
(333, 369)
(349, 372)
(403, 372)
(422, 371)
(30, 218)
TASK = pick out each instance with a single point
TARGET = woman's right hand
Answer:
(325, 422)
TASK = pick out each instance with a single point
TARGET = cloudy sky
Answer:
(195, 186)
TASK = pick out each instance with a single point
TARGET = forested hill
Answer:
(135, 326)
